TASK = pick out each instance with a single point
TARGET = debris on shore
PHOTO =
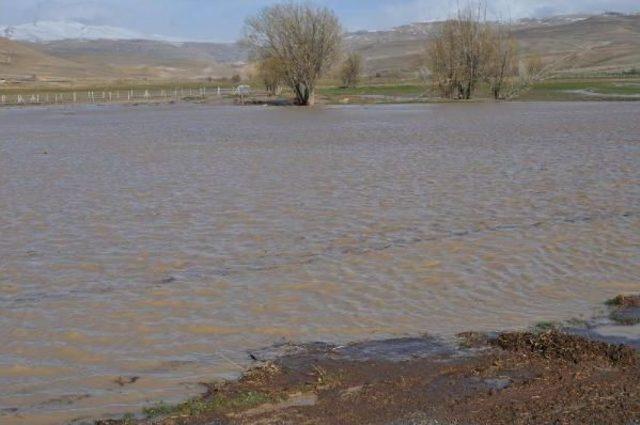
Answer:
(625, 309)
(536, 377)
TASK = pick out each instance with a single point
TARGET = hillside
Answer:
(149, 58)
(20, 62)
(120, 53)
(603, 43)
(569, 45)
(577, 44)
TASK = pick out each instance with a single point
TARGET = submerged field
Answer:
(145, 249)
(585, 89)
(574, 89)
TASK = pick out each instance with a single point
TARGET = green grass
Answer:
(623, 87)
(128, 419)
(199, 406)
(545, 326)
(578, 323)
(122, 86)
(570, 89)
(387, 91)
(375, 90)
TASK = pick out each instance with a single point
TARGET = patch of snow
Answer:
(45, 31)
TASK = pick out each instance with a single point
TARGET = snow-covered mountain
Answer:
(46, 31)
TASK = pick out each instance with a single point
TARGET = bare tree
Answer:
(534, 66)
(351, 70)
(443, 62)
(468, 50)
(470, 30)
(455, 54)
(305, 39)
(270, 72)
(500, 58)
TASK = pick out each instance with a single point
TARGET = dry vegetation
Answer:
(526, 378)
(270, 74)
(351, 70)
(302, 39)
(468, 50)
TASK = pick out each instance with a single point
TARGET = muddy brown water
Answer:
(162, 242)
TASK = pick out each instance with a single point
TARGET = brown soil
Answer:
(625, 309)
(625, 301)
(515, 378)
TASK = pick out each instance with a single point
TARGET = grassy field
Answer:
(617, 87)
(585, 89)
(391, 89)
(100, 86)
(390, 92)
(369, 92)
(573, 89)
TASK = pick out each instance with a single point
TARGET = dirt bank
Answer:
(512, 378)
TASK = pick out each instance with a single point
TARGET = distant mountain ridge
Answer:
(571, 44)
(46, 31)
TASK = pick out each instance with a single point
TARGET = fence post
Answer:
(74, 97)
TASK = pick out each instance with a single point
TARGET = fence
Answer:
(118, 96)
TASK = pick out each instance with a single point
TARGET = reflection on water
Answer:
(161, 242)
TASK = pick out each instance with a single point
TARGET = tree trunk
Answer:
(300, 94)
(304, 95)
(466, 95)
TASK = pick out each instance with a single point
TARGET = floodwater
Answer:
(162, 242)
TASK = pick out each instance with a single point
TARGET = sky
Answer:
(222, 20)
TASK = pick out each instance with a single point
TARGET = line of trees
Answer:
(468, 50)
(295, 44)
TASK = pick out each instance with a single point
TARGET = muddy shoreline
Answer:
(555, 373)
